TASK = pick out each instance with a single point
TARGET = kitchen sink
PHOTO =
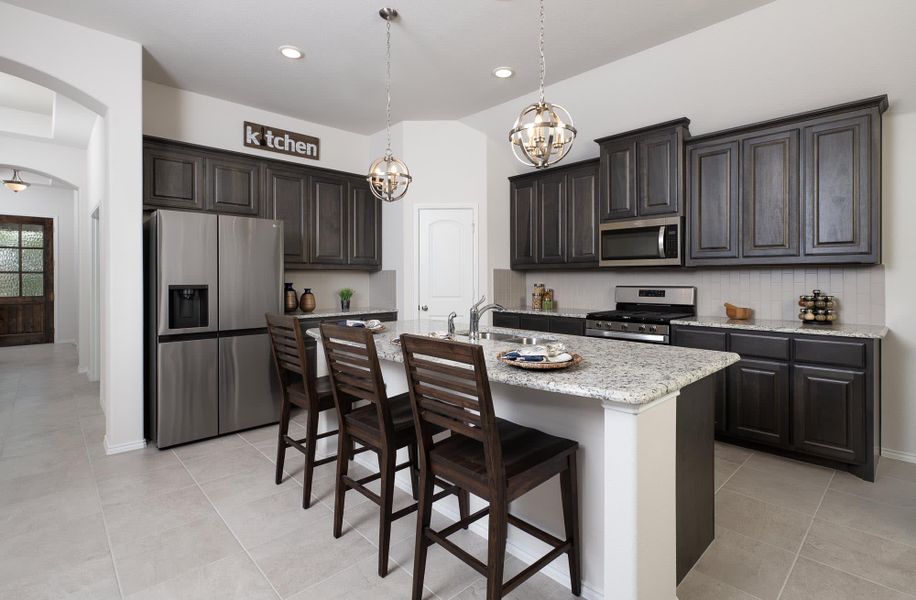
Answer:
(533, 341)
(510, 338)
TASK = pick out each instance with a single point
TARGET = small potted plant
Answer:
(345, 294)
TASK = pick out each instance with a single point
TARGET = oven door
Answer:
(649, 242)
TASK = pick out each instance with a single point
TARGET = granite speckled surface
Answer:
(576, 313)
(630, 373)
(336, 312)
(839, 328)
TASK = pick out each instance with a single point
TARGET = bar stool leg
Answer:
(283, 430)
(340, 489)
(424, 518)
(464, 505)
(311, 444)
(568, 486)
(387, 461)
(414, 471)
(496, 551)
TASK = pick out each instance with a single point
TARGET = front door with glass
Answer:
(26, 281)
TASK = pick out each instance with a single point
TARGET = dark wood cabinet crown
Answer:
(801, 189)
(330, 219)
(642, 172)
(553, 217)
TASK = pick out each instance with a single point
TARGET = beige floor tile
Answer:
(697, 586)
(775, 488)
(65, 440)
(880, 519)
(747, 564)
(306, 555)
(42, 515)
(238, 460)
(897, 469)
(446, 576)
(209, 447)
(265, 519)
(269, 433)
(130, 521)
(724, 470)
(127, 487)
(361, 581)
(364, 517)
(768, 523)
(132, 463)
(732, 453)
(883, 561)
(233, 577)
(789, 469)
(812, 581)
(37, 463)
(886, 489)
(539, 587)
(244, 487)
(168, 554)
(93, 579)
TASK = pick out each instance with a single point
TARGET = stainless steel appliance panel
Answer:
(187, 407)
(249, 393)
(186, 246)
(641, 243)
(250, 271)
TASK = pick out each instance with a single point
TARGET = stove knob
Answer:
(624, 326)
(652, 328)
(642, 327)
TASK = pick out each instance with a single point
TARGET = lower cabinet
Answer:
(545, 323)
(758, 401)
(691, 337)
(829, 412)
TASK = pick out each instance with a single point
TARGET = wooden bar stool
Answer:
(492, 458)
(384, 425)
(299, 388)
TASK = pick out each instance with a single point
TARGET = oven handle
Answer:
(623, 335)
(661, 241)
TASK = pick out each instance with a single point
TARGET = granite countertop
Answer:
(336, 312)
(614, 371)
(839, 328)
(576, 313)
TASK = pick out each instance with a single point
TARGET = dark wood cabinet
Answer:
(365, 213)
(566, 325)
(808, 190)
(703, 339)
(553, 218)
(642, 172)
(172, 177)
(534, 322)
(329, 231)
(829, 412)
(506, 319)
(539, 322)
(712, 180)
(233, 185)
(758, 401)
(287, 201)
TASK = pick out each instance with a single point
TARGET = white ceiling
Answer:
(443, 52)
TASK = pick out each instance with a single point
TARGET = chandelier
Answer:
(544, 132)
(388, 176)
(15, 183)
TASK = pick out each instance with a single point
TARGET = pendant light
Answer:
(388, 176)
(16, 184)
(543, 132)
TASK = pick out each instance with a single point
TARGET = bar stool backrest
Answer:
(287, 345)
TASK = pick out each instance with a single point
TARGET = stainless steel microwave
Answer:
(642, 243)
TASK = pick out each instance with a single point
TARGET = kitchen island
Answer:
(622, 406)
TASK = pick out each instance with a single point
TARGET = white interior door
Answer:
(447, 255)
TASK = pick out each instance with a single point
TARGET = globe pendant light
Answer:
(16, 184)
(543, 132)
(388, 176)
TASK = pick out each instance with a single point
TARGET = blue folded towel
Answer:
(525, 358)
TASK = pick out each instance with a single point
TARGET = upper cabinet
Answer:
(642, 172)
(330, 220)
(553, 218)
(803, 189)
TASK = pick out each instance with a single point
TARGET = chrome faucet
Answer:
(476, 312)
(451, 322)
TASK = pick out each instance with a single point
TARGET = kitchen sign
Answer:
(282, 141)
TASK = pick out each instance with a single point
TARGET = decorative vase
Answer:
(291, 298)
(307, 301)
(344, 304)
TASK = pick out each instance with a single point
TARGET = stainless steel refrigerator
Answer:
(209, 281)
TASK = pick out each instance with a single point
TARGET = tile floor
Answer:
(207, 521)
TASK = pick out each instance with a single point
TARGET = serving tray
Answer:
(539, 366)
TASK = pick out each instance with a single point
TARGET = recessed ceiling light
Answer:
(503, 72)
(291, 52)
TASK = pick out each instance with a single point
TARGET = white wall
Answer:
(103, 73)
(782, 58)
(59, 204)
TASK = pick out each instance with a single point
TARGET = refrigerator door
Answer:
(187, 409)
(250, 271)
(186, 249)
(249, 392)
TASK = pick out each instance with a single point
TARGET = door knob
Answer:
(424, 308)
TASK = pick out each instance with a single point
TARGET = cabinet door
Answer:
(829, 412)
(617, 189)
(552, 219)
(582, 215)
(758, 401)
(840, 192)
(567, 325)
(691, 337)
(287, 199)
(172, 177)
(713, 198)
(770, 194)
(328, 220)
(233, 185)
(503, 319)
(365, 225)
(534, 322)
(658, 175)
(523, 212)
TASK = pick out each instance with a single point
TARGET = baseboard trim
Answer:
(588, 592)
(125, 447)
(897, 455)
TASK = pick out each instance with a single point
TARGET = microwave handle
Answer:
(661, 241)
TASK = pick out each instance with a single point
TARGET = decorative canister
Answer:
(307, 301)
(290, 298)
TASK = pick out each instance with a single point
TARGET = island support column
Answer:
(640, 529)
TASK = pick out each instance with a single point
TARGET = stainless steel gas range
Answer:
(643, 314)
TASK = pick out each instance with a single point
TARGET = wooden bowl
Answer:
(738, 313)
